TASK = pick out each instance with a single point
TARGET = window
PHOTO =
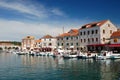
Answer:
(103, 31)
(62, 44)
(92, 39)
(50, 44)
(92, 31)
(71, 44)
(76, 37)
(104, 39)
(84, 32)
(49, 39)
(76, 44)
(116, 40)
(88, 32)
(84, 40)
(96, 31)
(44, 44)
(67, 44)
(81, 40)
(108, 25)
(66, 38)
(110, 31)
(96, 39)
(44, 39)
(71, 38)
(88, 40)
(58, 44)
(80, 33)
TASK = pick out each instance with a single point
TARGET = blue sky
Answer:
(19, 18)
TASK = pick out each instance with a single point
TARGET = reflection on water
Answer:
(21, 67)
(110, 70)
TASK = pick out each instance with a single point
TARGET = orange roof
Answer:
(94, 24)
(38, 40)
(72, 32)
(47, 36)
(116, 34)
(29, 37)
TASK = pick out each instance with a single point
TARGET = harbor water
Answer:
(24, 67)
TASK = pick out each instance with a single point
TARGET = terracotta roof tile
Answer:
(29, 37)
(116, 34)
(72, 32)
(94, 24)
(38, 40)
(47, 36)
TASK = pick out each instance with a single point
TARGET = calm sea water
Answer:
(21, 67)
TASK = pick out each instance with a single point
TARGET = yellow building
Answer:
(28, 43)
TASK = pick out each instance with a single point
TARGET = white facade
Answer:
(69, 40)
(109, 29)
(96, 33)
(48, 42)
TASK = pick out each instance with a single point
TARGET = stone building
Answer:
(48, 43)
(95, 35)
(28, 43)
(69, 40)
(115, 42)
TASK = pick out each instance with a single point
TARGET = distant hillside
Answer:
(12, 42)
(16, 43)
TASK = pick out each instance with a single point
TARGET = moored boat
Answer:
(70, 55)
(21, 53)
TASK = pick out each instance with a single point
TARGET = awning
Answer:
(108, 45)
(97, 45)
(114, 45)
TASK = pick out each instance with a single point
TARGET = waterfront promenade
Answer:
(25, 67)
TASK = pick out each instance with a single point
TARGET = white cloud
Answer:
(57, 12)
(23, 8)
(16, 30)
(35, 10)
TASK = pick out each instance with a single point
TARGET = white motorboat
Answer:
(21, 53)
(108, 55)
(115, 56)
(86, 55)
(42, 53)
(70, 55)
